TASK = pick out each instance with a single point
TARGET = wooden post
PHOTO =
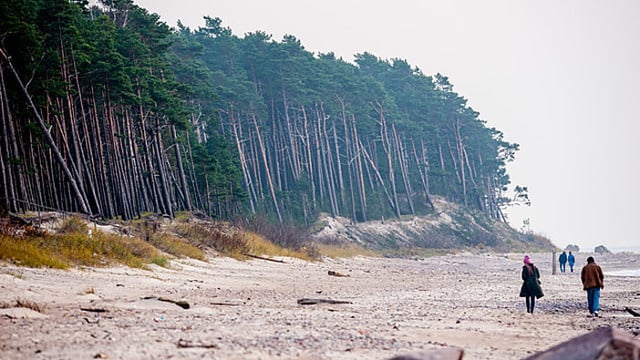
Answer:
(554, 264)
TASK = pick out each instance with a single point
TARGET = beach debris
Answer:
(601, 343)
(224, 304)
(632, 312)
(182, 343)
(92, 321)
(182, 303)
(335, 273)
(96, 310)
(307, 301)
(449, 353)
(263, 258)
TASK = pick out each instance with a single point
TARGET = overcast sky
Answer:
(560, 78)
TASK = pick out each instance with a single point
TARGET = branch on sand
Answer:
(632, 312)
(335, 273)
(307, 301)
(182, 303)
(264, 258)
(189, 344)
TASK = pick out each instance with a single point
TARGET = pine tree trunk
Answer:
(181, 174)
(360, 173)
(266, 166)
(402, 161)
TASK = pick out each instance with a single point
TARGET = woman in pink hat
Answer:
(530, 289)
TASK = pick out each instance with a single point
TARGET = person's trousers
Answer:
(593, 299)
(531, 303)
(563, 267)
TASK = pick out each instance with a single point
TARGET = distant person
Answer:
(572, 260)
(592, 282)
(530, 289)
(563, 261)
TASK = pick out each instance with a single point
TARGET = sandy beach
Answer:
(250, 310)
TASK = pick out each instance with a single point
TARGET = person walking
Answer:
(531, 289)
(592, 282)
(563, 261)
(572, 260)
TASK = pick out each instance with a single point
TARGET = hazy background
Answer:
(560, 78)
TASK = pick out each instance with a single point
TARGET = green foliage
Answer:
(164, 120)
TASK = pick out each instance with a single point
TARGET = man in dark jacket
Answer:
(592, 282)
(563, 261)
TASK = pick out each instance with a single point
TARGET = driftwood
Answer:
(96, 310)
(224, 304)
(182, 303)
(601, 343)
(630, 311)
(264, 258)
(307, 301)
(335, 273)
(189, 344)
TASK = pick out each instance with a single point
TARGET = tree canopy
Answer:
(106, 110)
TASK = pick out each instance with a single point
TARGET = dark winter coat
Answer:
(563, 258)
(531, 282)
(572, 260)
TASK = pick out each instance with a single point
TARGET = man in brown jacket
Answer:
(592, 282)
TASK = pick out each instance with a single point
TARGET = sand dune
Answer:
(250, 310)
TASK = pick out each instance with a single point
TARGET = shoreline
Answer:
(249, 309)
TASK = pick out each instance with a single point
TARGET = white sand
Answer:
(249, 310)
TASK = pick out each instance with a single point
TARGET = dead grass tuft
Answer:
(344, 250)
(73, 225)
(29, 305)
(176, 246)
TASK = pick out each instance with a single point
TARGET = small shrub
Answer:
(160, 260)
(286, 235)
(73, 225)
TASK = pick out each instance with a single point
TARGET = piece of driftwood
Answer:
(182, 303)
(601, 343)
(432, 354)
(224, 304)
(630, 311)
(335, 273)
(264, 258)
(307, 301)
(96, 310)
(190, 344)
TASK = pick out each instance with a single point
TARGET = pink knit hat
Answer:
(526, 259)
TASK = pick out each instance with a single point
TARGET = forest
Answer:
(107, 111)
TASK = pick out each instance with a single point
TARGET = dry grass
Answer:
(258, 245)
(344, 250)
(73, 225)
(24, 304)
(225, 239)
(175, 246)
(61, 251)
(27, 252)
(156, 241)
